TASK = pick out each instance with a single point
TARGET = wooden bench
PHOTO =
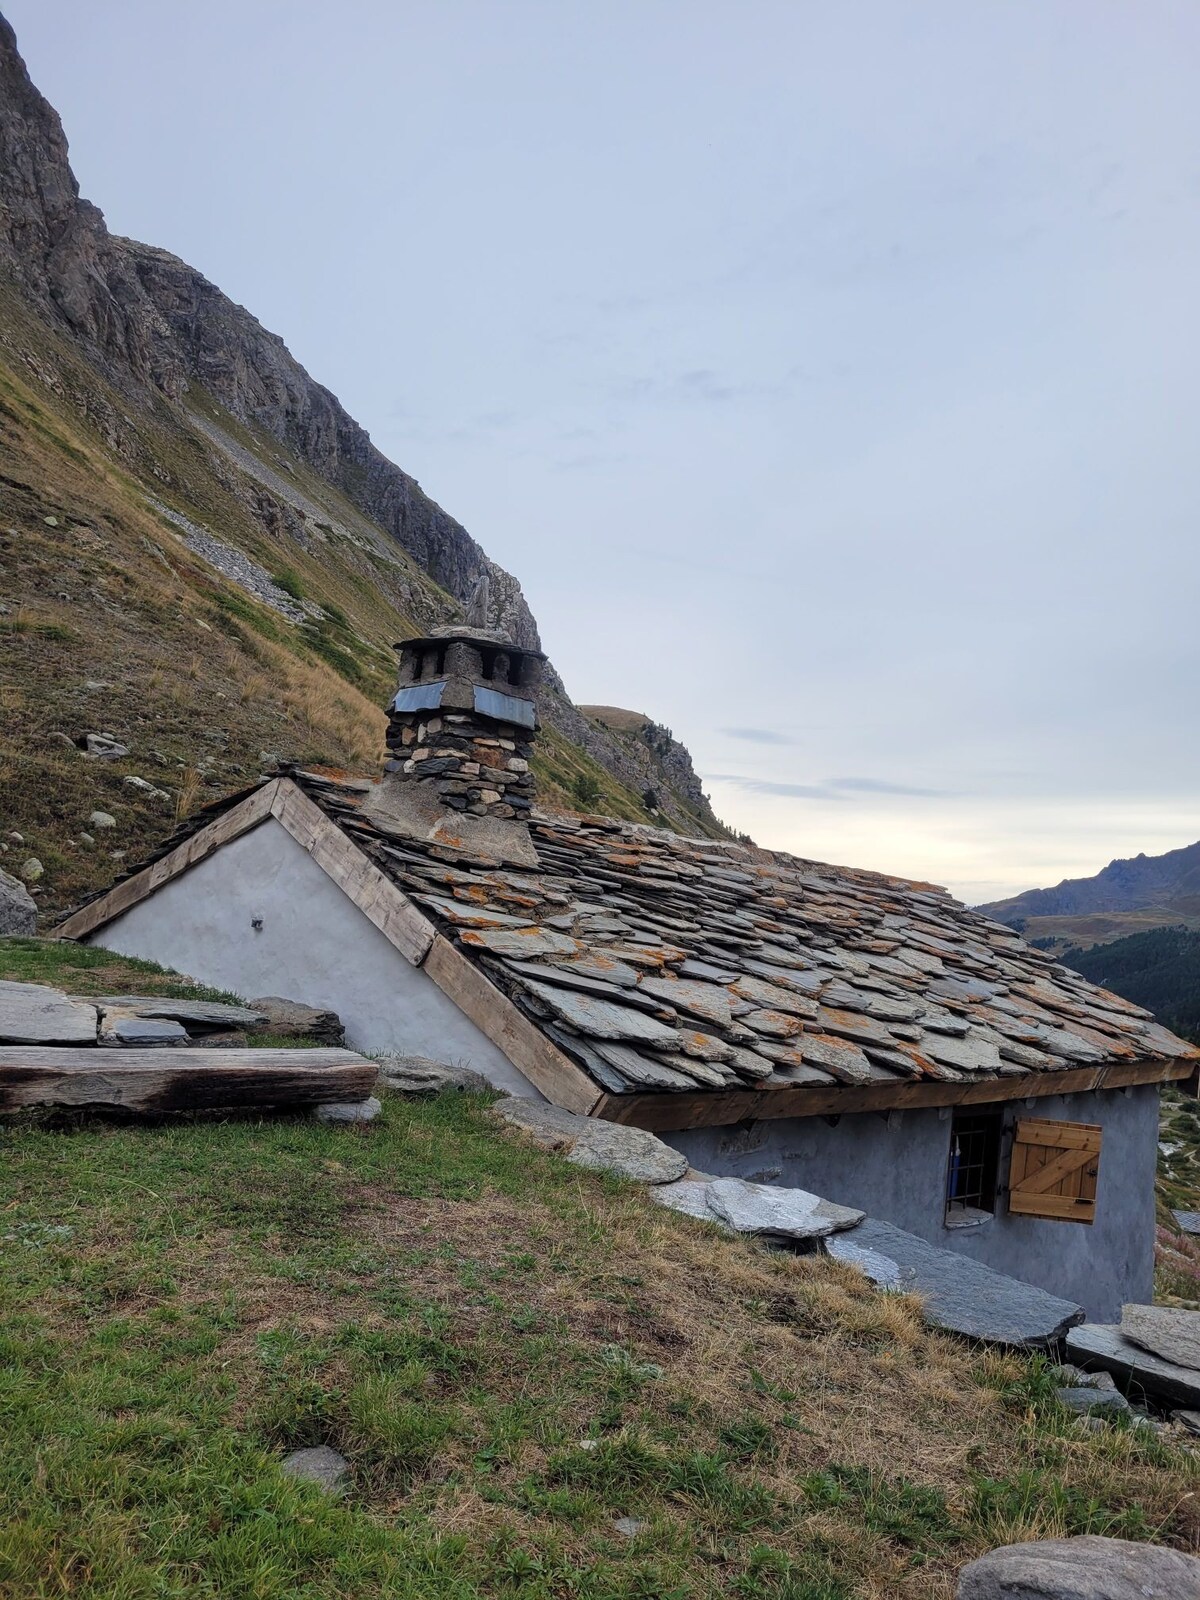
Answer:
(197, 1079)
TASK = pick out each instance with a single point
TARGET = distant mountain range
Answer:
(1127, 897)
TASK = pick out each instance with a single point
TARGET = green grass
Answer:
(89, 969)
(513, 1353)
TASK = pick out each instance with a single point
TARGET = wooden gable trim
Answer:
(510, 1030)
(355, 874)
(239, 819)
(665, 1113)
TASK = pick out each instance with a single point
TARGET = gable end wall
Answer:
(315, 945)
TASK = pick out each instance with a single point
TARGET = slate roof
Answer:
(664, 964)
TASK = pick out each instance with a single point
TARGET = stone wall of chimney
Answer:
(472, 763)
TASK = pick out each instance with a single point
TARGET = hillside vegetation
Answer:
(111, 623)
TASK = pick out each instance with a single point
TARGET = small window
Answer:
(974, 1161)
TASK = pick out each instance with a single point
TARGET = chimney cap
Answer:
(484, 636)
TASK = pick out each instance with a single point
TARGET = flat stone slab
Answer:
(1088, 1568)
(1189, 1221)
(782, 1213)
(762, 1209)
(1166, 1331)
(1098, 1344)
(128, 1030)
(689, 1195)
(201, 1014)
(591, 1142)
(32, 1014)
(320, 1465)
(960, 1295)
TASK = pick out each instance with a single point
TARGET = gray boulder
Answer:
(1088, 1568)
(419, 1075)
(320, 1465)
(591, 1142)
(1098, 1344)
(1189, 1221)
(18, 910)
(960, 1295)
(1165, 1331)
(293, 1019)
(104, 747)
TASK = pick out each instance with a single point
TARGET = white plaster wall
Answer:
(315, 945)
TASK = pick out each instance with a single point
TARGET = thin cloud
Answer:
(758, 735)
(838, 789)
(793, 791)
(881, 786)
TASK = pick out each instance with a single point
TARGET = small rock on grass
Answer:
(630, 1527)
(420, 1075)
(102, 819)
(1088, 1399)
(349, 1111)
(320, 1465)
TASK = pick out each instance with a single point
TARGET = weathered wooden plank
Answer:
(546, 1067)
(663, 1112)
(375, 895)
(1059, 1135)
(238, 819)
(161, 1080)
(1054, 1207)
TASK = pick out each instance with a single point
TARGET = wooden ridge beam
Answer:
(355, 874)
(664, 1113)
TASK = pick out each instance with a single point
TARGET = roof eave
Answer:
(710, 1108)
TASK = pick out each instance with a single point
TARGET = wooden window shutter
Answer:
(1053, 1170)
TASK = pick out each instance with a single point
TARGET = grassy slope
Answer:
(200, 680)
(458, 1313)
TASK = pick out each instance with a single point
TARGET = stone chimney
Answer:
(460, 731)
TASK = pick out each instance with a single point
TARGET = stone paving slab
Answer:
(1098, 1344)
(960, 1295)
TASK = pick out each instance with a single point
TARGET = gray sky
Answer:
(826, 373)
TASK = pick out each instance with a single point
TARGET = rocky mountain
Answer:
(202, 555)
(1126, 897)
